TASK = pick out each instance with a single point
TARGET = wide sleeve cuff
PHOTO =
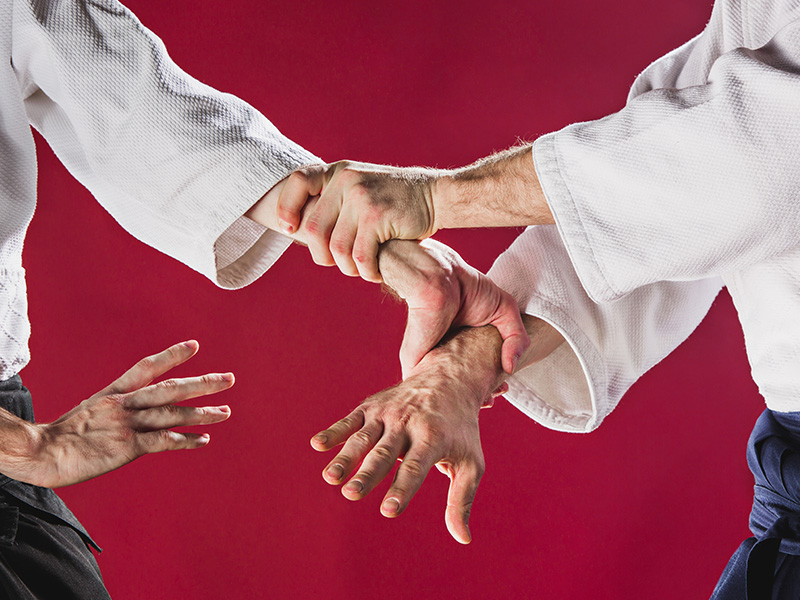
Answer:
(609, 345)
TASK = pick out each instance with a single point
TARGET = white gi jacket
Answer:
(175, 162)
(695, 184)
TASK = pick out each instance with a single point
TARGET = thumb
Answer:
(509, 323)
(424, 329)
(298, 188)
(463, 487)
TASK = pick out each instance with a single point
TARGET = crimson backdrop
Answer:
(651, 505)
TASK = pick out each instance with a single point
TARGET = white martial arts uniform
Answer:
(695, 184)
(175, 162)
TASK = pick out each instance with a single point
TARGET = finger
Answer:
(375, 467)
(488, 402)
(338, 432)
(424, 329)
(342, 239)
(353, 451)
(409, 477)
(159, 441)
(165, 417)
(516, 341)
(501, 389)
(320, 224)
(299, 186)
(171, 391)
(147, 369)
(365, 254)
(463, 487)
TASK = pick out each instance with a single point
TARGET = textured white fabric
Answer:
(174, 161)
(693, 184)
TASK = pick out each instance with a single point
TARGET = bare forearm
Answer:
(474, 354)
(501, 190)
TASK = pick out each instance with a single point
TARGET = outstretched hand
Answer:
(429, 419)
(127, 419)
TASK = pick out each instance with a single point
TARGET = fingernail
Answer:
(205, 438)
(224, 409)
(335, 472)
(391, 506)
(515, 360)
(320, 438)
(227, 377)
(354, 486)
(286, 227)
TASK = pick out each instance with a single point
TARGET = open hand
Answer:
(127, 419)
(429, 419)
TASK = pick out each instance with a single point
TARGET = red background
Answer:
(651, 505)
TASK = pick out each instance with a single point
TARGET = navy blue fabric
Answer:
(767, 565)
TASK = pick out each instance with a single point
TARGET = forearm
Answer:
(472, 355)
(501, 190)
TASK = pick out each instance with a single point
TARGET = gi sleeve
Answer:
(683, 184)
(610, 345)
(176, 162)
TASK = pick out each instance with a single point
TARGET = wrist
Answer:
(469, 360)
(22, 450)
(444, 189)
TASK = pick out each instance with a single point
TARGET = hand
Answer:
(442, 292)
(361, 206)
(430, 418)
(300, 189)
(127, 419)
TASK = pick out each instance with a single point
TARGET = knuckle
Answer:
(366, 476)
(340, 247)
(347, 422)
(120, 400)
(167, 384)
(313, 226)
(383, 454)
(362, 437)
(208, 380)
(359, 192)
(344, 423)
(414, 467)
(344, 459)
(165, 439)
(149, 362)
